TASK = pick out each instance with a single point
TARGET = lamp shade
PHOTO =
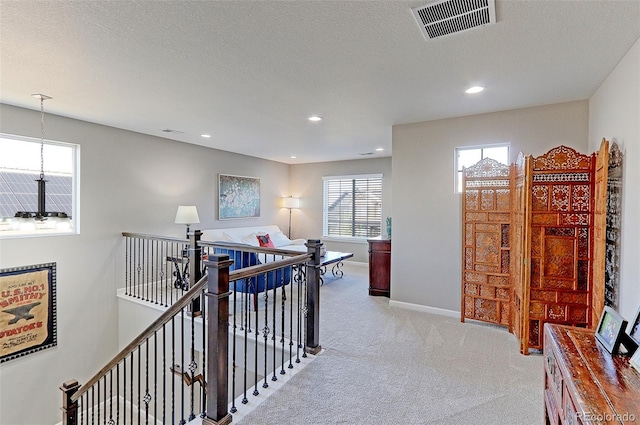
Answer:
(187, 214)
(290, 202)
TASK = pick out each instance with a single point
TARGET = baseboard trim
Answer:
(424, 309)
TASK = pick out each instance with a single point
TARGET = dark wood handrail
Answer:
(180, 304)
(154, 237)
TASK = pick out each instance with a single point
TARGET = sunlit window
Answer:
(22, 161)
(471, 155)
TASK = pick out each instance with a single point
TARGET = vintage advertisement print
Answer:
(27, 310)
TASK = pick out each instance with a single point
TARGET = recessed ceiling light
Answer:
(206, 136)
(474, 89)
(380, 149)
(293, 157)
(315, 118)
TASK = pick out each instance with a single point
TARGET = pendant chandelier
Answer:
(42, 219)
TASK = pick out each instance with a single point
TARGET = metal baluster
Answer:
(146, 398)
(93, 404)
(164, 373)
(155, 375)
(127, 262)
(245, 312)
(124, 390)
(291, 331)
(173, 375)
(97, 406)
(273, 334)
(104, 393)
(301, 278)
(83, 405)
(234, 409)
(110, 396)
(305, 311)
(155, 274)
(117, 393)
(265, 329)
(139, 382)
(131, 386)
(203, 397)
(255, 351)
(193, 365)
(136, 253)
(182, 420)
(145, 267)
(282, 315)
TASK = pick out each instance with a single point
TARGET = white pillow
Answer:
(279, 239)
(250, 239)
(230, 238)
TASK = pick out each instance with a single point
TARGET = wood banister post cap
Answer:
(69, 385)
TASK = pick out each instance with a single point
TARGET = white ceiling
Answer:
(251, 72)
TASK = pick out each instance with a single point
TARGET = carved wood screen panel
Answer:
(562, 191)
(614, 221)
(486, 211)
(599, 231)
(520, 222)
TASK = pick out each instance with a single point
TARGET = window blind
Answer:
(353, 206)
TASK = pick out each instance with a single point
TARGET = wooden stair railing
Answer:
(214, 400)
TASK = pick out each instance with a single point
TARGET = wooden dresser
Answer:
(584, 384)
(379, 266)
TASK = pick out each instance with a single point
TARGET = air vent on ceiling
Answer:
(451, 16)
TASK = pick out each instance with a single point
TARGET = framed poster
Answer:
(27, 310)
(238, 197)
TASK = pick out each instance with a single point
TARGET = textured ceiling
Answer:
(251, 72)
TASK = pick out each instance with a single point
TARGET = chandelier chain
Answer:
(42, 137)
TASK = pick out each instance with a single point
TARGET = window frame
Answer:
(457, 171)
(325, 208)
(6, 233)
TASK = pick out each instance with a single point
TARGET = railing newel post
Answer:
(218, 340)
(69, 407)
(195, 266)
(312, 308)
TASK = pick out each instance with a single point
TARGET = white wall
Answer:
(426, 248)
(614, 113)
(129, 182)
(306, 183)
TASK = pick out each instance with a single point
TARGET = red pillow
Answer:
(265, 241)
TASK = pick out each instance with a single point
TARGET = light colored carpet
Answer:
(384, 365)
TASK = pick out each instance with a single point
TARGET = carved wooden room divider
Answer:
(613, 231)
(599, 232)
(520, 244)
(486, 212)
(529, 241)
(559, 242)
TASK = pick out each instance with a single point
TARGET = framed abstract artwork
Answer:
(238, 197)
(27, 310)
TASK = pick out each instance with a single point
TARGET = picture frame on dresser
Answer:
(610, 330)
(634, 328)
(635, 361)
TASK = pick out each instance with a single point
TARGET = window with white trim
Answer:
(22, 160)
(352, 206)
(467, 156)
